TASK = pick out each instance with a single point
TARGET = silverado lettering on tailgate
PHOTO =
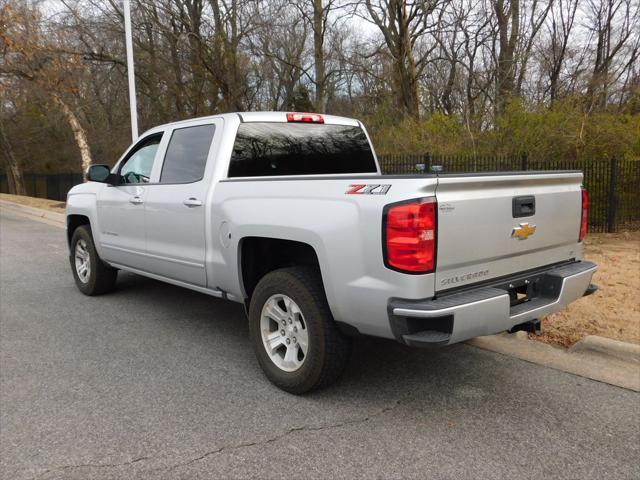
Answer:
(463, 278)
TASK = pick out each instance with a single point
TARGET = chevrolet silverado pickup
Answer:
(289, 214)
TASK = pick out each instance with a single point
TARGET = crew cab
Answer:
(289, 214)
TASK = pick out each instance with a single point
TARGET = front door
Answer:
(120, 207)
(175, 207)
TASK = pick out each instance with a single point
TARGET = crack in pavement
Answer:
(225, 448)
(284, 434)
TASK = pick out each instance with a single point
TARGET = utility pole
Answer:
(130, 70)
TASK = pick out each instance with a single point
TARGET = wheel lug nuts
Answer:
(282, 332)
(295, 329)
(294, 339)
(284, 323)
(288, 341)
(290, 321)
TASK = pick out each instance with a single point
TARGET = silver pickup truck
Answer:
(289, 214)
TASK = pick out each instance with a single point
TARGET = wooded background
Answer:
(558, 79)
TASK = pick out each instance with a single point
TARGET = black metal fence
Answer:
(613, 185)
(45, 185)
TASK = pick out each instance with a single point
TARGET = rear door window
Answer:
(272, 149)
(187, 153)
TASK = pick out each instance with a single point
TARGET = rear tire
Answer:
(307, 318)
(92, 275)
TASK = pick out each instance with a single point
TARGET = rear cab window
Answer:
(276, 149)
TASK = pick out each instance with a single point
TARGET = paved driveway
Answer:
(153, 381)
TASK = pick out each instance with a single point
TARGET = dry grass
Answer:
(51, 205)
(614, 310)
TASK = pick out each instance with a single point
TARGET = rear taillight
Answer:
(585, 212)
(305, 117)
(409, 230)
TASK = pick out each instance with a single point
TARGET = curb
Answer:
(52, 218)
(597, 358)
(593, 344)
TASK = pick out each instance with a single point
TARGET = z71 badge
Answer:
(372, 189)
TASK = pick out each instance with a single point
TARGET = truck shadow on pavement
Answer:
(377, 367)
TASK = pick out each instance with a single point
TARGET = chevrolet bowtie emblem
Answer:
(523, 231)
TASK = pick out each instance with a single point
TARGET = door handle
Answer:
(192, 202)
(136, 200)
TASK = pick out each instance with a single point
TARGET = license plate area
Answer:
(523, 290)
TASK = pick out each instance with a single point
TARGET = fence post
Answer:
(425, 166)
(525, 161)
(611, 196)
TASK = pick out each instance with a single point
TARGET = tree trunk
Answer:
(14, 172)
(318, 56)
(405, 64)
(407, 72)
(508, 32)
(396, 29)
(78, 133)
(447, 103)
(226, 41)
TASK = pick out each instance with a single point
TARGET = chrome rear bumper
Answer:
(490, 309)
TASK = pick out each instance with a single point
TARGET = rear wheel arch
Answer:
(259, 256)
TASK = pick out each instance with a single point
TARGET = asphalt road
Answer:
(153, 381)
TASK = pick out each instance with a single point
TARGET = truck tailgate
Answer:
(495, 225)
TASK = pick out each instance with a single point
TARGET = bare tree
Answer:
(508, 24)
(402, 24)
(612, 24)
(562, 22)
(537, 15)
(16, 180)
(29, 57)
(317, 15)
(63, 67)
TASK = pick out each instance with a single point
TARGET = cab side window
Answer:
(136, 168)
(187, 153)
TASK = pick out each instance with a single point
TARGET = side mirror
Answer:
(99, 173)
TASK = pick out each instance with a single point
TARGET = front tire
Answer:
(92, 275)
(294, 336)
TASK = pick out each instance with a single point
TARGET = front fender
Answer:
(81, 200)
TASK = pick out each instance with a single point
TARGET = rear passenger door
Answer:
(176, 205)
